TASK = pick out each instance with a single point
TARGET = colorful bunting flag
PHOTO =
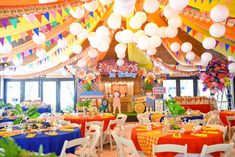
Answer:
(91, 14)
(36, 30)
(60, 36)
(67, 11)
(189, 29)
(39, 17)
(14, 22)
(4, 23)
(47, 16)
(232, 48)
(227, 47)
(8, 38)
(54, 23)
(53, 13)
(2, 41)
(60, 12)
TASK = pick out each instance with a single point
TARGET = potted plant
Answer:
(148, 87)
(176, 110)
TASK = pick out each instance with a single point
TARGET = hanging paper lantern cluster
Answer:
(176, 5)
(216, 76)
(39, 38)
(114, 21)
(209, 43)
(175, 47)
(92, 5)
(124, 8)
(206, 57)
(151, 6)
(77, 48)
(138, 20)
(186, 47)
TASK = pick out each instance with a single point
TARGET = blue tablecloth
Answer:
(40, 110)
(193, 118)
(50, 143)
(6, 120)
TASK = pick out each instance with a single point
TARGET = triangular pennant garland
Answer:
(39, 17)
(4, 23)
(47, 16)
(36, 30)
(14, 22)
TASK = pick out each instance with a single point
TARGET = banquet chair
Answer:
(126, 130)
(107, 133)
(221, 128)
(213, 120)
(174, 148)
(230, 127)
(99, 123)
(121, 119)
(142, 119)
(226, 148)
(81, 142)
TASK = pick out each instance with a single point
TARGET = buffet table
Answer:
(224, 114)
(204, 108)
(82, 120)
(144, 139)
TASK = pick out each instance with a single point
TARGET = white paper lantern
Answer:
(124, 7)
(126, 36)
(217, 30)
(231, 68)
(64, 57)
(83, 34)
(219, 13)
(151, 29)
(78, 13)
(162, 32)
(17, 61)
(103, 47)
(155, 41)
(92, 53)
(91, 6)
(186, 47)
(39, 39)
(137, 35)
(169, 12)
(143, 42)
(151, 6)
(102, 31)
(209, 43)
(141, 16)
(190, 56)
(75, 28)
(206, 56)
(135, 23)
(121, 55)
(106, 2)
(120, 48)
(81, 63)
(171, 32)
(203, 63)
(120, 62)
(5, 48)
(40, 53)
(178, 5)
(114, 21)
(77, 48)
(175, 47)
(118, 36)
(62, 43)
(175, 21)
(151, 51)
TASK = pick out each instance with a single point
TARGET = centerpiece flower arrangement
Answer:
(216, 77)
(84, 105)
(176, 110)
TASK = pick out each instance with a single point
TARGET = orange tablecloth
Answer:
(83, 120)
(195, 143)
(223, 118)
(204, 108)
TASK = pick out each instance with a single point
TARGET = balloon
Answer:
(219, 13)
(151, 29)
(118, 36)
(171, 32)
(120, 48)
(64, 57)
(75, 28)
(217, 30)
(209, 43)
(114, 21)
(151, 51)
(135, 23)
(62, 43)
(39, 39)
(175, 47)
(190, 56)
(151, 6)
(137, 35)
(169, 12)
(175, 21)
(141, 16)
(186, 47)
(175, 4)
(81, 63)
(92, 53)
(77, 49)
(17, 61)
(102, 31)
(162, 32)
(206, 56)
(106, 2)
(120, 62)
(78, 12)
(126, 36)
(155, 41)
(5, 48)
(231, 67)
(143, 42)
(121, 55)
(91, 6)
(40, 53)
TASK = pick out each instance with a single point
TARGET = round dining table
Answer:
(82, 121)
(223, 117)
(50, 143)
(144, 139)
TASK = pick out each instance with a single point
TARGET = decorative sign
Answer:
(159, 90)
(109, 67)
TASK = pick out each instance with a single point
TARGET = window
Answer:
(13, 92)
(200, 89)
(67, 96)
(170, 86)
(49, 94)
(186, 87)
(31, 90)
